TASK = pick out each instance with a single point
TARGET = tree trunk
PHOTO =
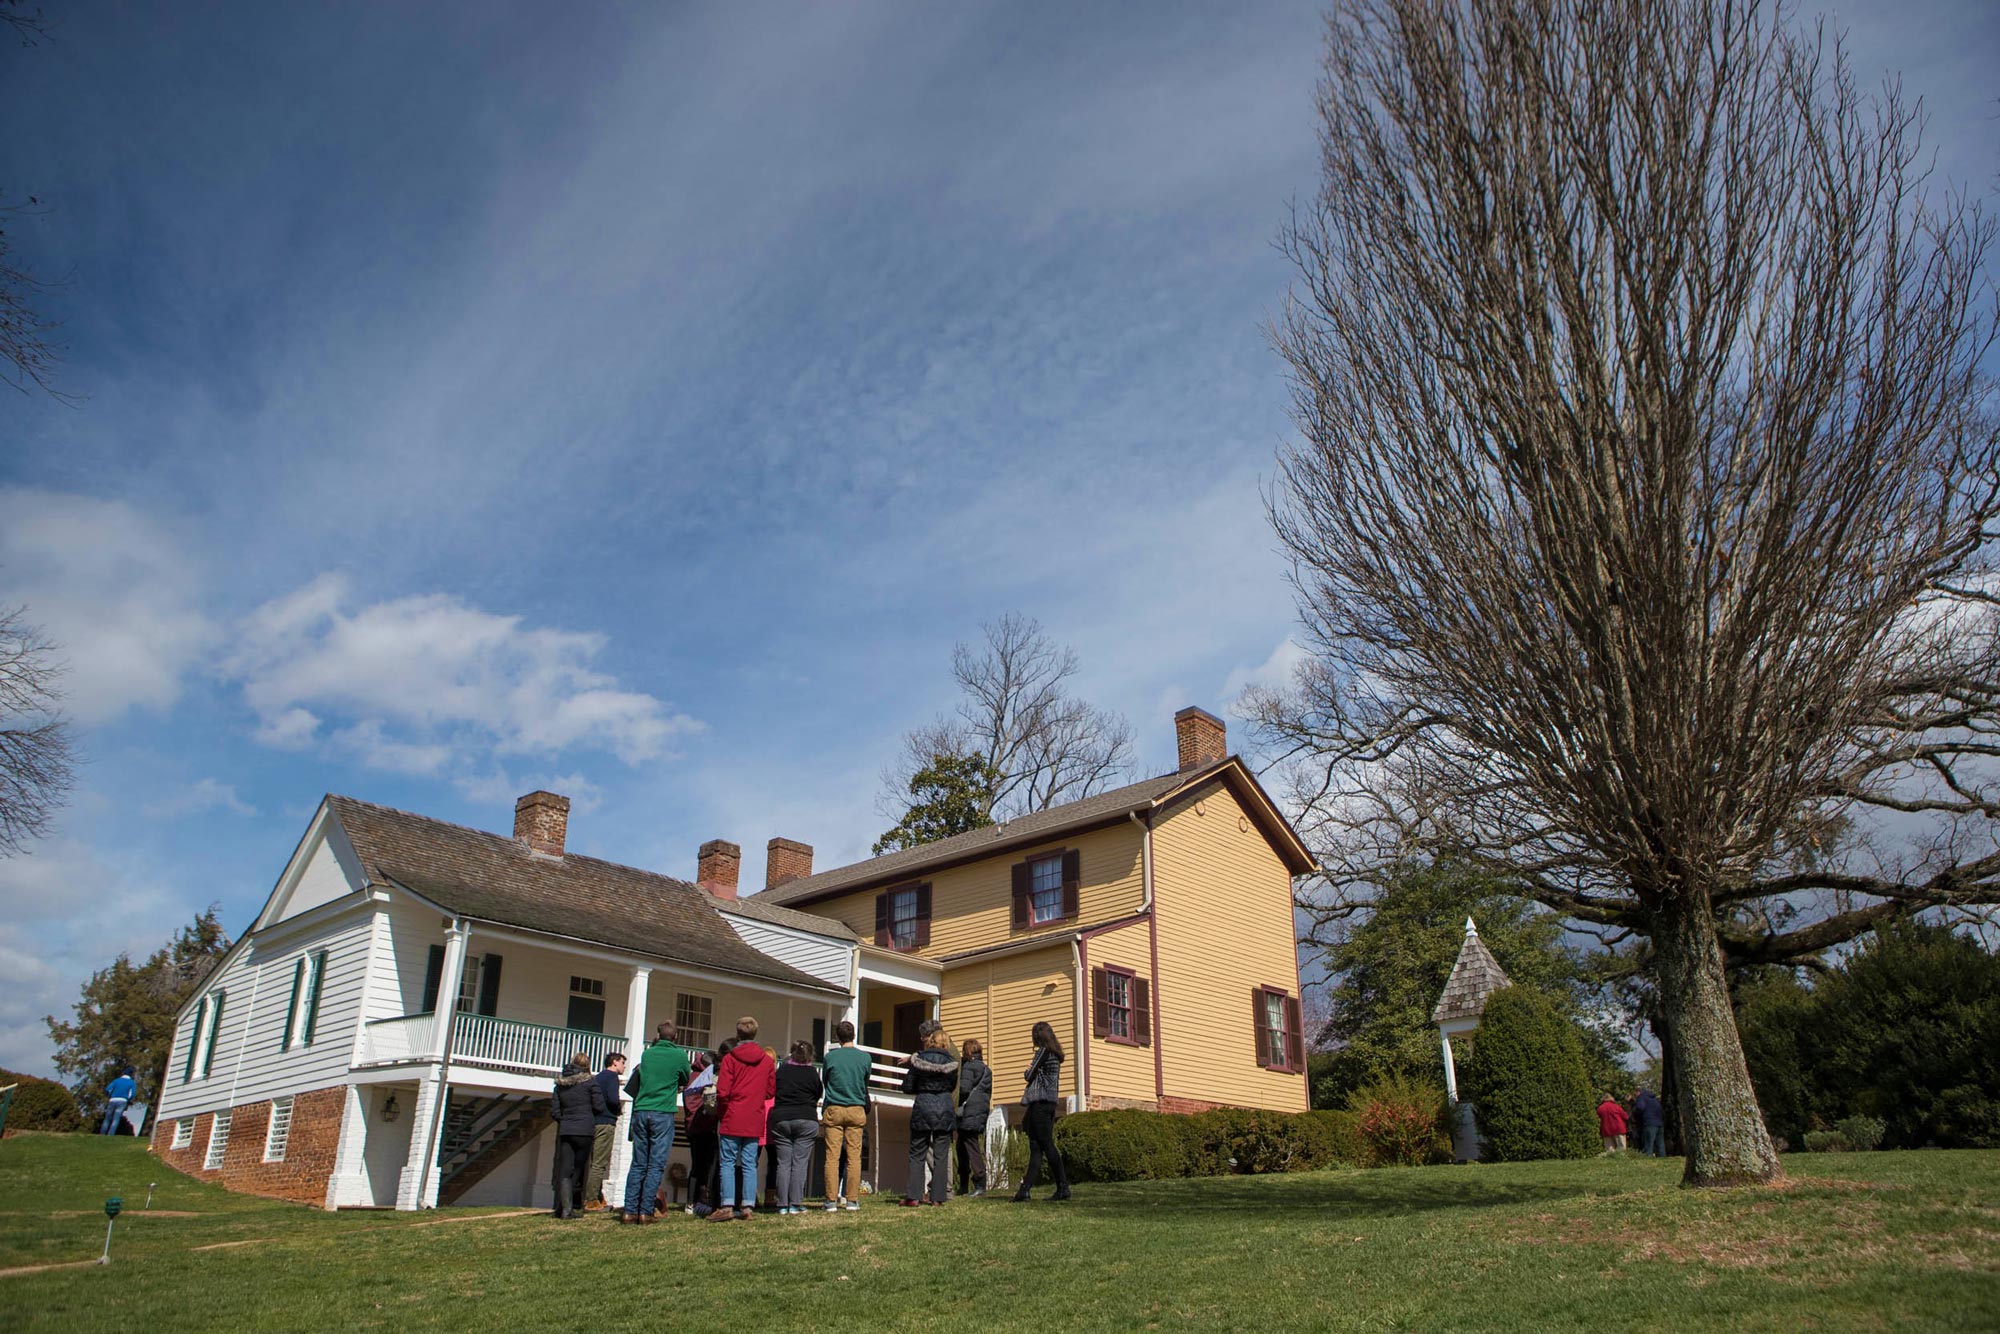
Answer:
(1726, 1142)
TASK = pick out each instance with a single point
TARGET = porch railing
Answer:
(481, 1039)
(885, 1069)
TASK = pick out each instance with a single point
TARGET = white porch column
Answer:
(417, 1188)
(348, 1185)
(1450, 1071)
(635, 1046)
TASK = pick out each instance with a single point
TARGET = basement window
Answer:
(280, 1132)
(218, 1142)
(183, 1132)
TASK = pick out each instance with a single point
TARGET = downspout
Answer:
(1082, 1040)
(1153, 945)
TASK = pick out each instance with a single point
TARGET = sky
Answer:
(640, 405)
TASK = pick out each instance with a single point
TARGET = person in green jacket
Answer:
(655, 1086)
(845, 1116)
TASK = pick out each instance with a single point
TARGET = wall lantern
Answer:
(390, 1109)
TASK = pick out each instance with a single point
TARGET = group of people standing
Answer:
(1615, 1122)
(743, 1102)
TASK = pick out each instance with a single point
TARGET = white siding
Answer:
(823, 958)
(249, 1065)
(397, 987)
(321, 881)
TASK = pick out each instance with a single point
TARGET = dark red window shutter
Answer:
(1072, 880)
(1263, 1036)
(923, 915)
(1295, 1038)
(1100, 1003)
(1142, 1012)
(882, 920)
(1024, 885)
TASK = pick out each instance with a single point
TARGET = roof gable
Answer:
(1475, 976)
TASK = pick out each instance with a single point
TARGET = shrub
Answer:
(1862, 1133)
(1124, 1145)
(1400, 1121)
(1826, 1141)
(40, 1104)
(1335, 1139)
(1526, 1080)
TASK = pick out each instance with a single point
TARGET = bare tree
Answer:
(1642, 510)
(28, 352)
(1016, 715)
(36, 756)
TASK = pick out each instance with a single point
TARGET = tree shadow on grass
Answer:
(1328, 1195)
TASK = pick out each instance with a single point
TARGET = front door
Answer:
(909, 1014)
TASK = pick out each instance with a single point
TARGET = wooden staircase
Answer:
(482, 1133)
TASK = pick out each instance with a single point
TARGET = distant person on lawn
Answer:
(845, 1117)
(975, 1104)
(795, 1126)
(664, 1070)
(1039, 1101)
(704, 1144)
(118, 1096)
(1652, 1120)
(609, 1079)
(575, 1105)
(1611, 1124)
(931, 1079)
(745, 1087)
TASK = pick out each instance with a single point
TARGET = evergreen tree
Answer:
(949, 795)
(1526, 1080)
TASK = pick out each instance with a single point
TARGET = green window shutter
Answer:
(312, 997)
(433, 979)
(292, 1009)
(194, 1039)
(214, 1031)
(489, 985)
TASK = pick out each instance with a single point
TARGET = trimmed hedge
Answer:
(1132, 1145)
(40, 1104)
(1526, 1078)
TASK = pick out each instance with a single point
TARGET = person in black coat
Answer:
(931, 1080)
(975, 1104)
(575, 1105)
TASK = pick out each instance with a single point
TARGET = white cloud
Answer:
(112, 588)
(1274, 672)
(429, 685)
(197, 798)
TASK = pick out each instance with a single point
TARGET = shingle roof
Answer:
(495, 879)
(756, 906)
(1026, 829)
(1475, 976)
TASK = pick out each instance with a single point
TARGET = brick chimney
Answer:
(1203, 738)
(716, 867)
(541, 820)
(785, 861)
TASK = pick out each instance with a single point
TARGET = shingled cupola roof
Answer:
(1475, 976)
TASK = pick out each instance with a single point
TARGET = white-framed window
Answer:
(303, 1014)
(218, 1142)
(1118, 1004)
(279, 1132)
(468, 985)
(1045, 889)
(201, 1047)
(903, 918)
(586, 1003)
(694, 1016)
(183, 1132)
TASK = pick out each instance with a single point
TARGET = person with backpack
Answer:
(845, 1118)
(975, 1104)
(747, 1081)
(931, 1079)
(574, 1105)
(794, 1126)
(1038, 1103)
(664, 1070)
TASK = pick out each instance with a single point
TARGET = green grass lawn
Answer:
(1854, 1241)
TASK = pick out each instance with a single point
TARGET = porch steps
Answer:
(482, 1133)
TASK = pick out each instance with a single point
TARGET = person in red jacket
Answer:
(1611, 1124)
(748, 1079)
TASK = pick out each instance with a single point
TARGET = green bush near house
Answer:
(1400, 1122)
(1125, 1145)
(1526, 1077)
(40, 1104)
(1132, 1145)
(1862, 1133)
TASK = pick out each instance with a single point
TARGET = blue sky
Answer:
(640, 404)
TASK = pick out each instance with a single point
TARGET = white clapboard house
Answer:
(386, 1031)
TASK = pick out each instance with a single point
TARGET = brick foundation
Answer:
(1189, 1105)
(1177, 1106)
(309, 1150)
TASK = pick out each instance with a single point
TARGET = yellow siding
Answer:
(999, 1002)
(1224, 902)
(972, 905)
(1118, 1070)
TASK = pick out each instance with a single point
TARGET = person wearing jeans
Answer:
(748, 1080)
(655, 1087)
(795, 1127)
(119, 1094)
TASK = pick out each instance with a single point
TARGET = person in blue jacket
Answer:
(119, 1094)
(1651, 1118)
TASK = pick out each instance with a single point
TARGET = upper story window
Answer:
(1121, 1006)
(1046, 888)
(586, 1004)
(1280, 1030)
(201, 1044)
(903, 917)
(468, 985)
(478, 990)
(694, 1016)
(303, 1013)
